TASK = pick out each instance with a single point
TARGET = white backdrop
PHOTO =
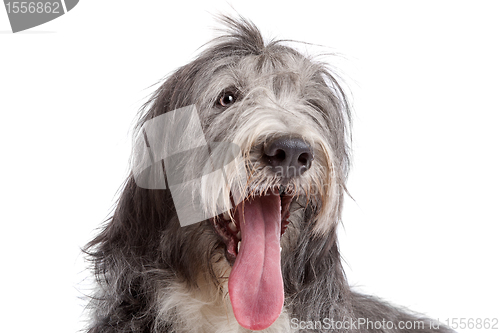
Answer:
(423, 229)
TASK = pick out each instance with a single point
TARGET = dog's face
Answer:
(289, 118)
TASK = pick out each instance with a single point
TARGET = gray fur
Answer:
(142, 256)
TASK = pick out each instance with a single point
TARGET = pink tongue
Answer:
(255, 283)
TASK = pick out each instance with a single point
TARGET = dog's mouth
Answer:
(227, 225)
(252, 233)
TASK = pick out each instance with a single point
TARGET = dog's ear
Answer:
(137, 222)
(312, 270)
(120, 254)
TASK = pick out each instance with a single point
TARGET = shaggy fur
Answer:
(155, 276)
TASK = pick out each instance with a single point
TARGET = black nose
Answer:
(288, 156)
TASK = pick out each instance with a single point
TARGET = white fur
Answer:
(199, 311)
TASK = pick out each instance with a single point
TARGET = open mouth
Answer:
(228, 225)
(252, 234)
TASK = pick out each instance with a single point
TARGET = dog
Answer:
(228, 220)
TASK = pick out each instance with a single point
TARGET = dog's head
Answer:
(276, 124)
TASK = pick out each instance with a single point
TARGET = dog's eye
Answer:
(226, 99)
